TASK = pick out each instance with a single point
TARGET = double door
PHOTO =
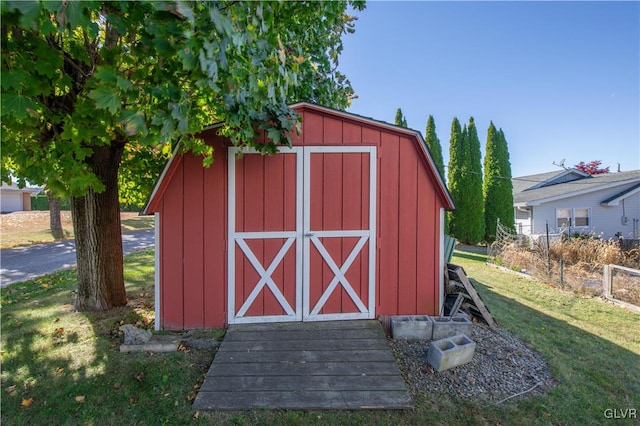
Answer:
(301, 241)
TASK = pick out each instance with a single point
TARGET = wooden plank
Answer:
(295, 383)
(304, 373)
(449, 247)
(224, 355)
(309, 345)
(462, 277)
(300, 335)
(308, 400)
(309, 326)
(304, 369)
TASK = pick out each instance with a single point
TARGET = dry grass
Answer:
(575, 264)
(590, 253)
(27, 228)
(625, 286)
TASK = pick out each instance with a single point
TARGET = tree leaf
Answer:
(29, 11)
(74, 13)
(16, 105)
(106, 73)
(105, 98)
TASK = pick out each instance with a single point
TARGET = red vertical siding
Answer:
(215, 238)
(193, 212)
(313, 126)
(351, 133)
(330, 174)
(408, 220)
(193, 215)
(332, 129)
(265, 201)
(353, 184)
(388, 224)
(423, 266)
(171, 221)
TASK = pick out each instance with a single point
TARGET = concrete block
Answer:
(411, 327)
(448, 326)
(157, 343)
(450, 352)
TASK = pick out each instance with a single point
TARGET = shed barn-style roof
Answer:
(301, 106)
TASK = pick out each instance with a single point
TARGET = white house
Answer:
(606, 205)
(15, 199)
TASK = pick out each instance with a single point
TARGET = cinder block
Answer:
(411, 327)
(450, 352)
(448, 326)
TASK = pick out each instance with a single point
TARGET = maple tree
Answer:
(88, 85)
(592, 167)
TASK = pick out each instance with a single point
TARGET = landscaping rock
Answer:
(152, 346)
(134, 335)
(502, 366)
(157, 343)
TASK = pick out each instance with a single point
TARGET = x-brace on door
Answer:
(302, 234)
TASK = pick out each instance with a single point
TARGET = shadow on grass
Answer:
(471, 256)
(593, 374)
(64, 367)
(51, 355)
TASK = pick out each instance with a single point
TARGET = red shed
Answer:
(345, 224)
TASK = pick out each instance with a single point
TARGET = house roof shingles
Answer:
(525, 194)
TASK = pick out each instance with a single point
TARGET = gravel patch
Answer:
(503, 366)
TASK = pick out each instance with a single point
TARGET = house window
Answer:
(563, 218)
(581, 217)
(572, 217)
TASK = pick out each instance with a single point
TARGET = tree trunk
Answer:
(96, 222)
(55, 223)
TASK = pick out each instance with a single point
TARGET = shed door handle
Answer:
(309, 234)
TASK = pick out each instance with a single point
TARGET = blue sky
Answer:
(561, 79)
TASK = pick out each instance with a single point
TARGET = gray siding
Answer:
(605, 221)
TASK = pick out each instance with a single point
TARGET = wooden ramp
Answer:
(304, 365)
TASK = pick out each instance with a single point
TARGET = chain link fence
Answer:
(575, 263)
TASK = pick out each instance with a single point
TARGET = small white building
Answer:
(570, 201)
(15, 199)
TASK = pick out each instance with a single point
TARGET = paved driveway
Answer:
(24, 263)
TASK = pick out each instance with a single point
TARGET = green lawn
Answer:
(64, 367)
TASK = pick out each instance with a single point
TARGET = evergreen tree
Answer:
(455, 179)
(498, 188)
(400, 120)
(466, 223)
(433, 145)
(473, 185)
